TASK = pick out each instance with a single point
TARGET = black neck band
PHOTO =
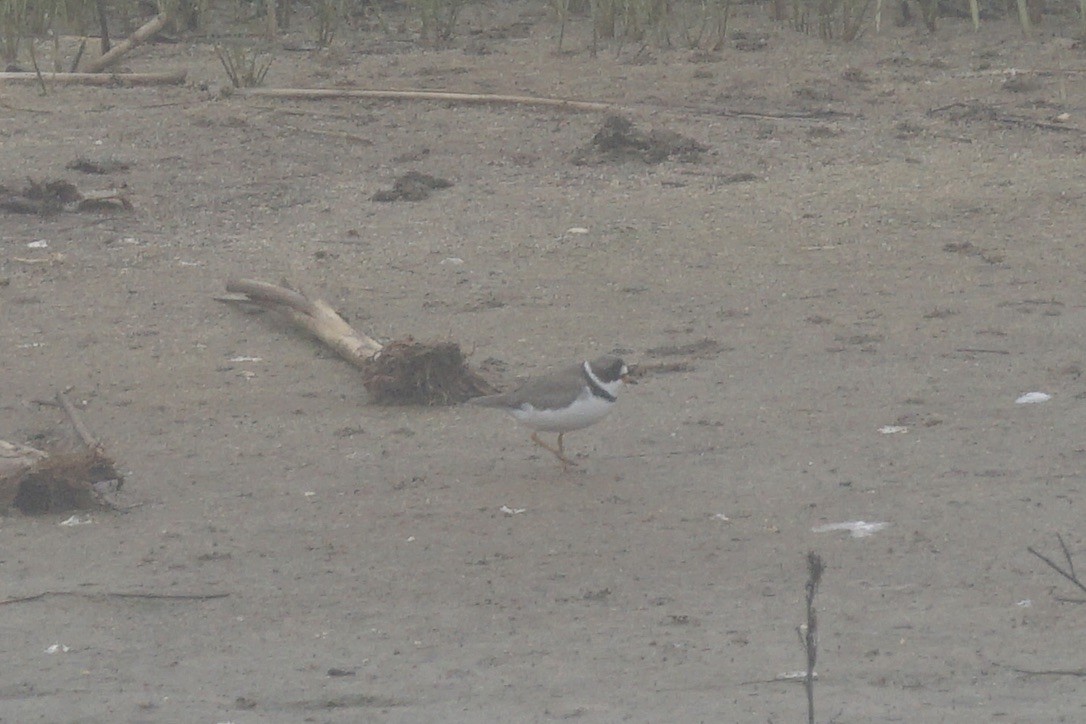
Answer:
(595, 387)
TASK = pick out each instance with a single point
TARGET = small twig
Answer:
(77, 423)
(1043, 125)
(947, 107)
(167, 596)
(787, 678)
(816, 115)
(103, 24)
(952, 137)
(1021, 71)
(51, 259)
(341, 135)
(1065, 599)
(24, 599)
(1050, 672)
(1067, 557)
(975, 350)
(117, 594)
(1068, 574)
(78, 55)
(991, 114)
(815, 568)
(37, 71)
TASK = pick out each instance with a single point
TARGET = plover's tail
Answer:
(489, 401)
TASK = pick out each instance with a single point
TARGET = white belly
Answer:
(586, 410)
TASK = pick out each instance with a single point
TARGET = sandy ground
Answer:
(881, 234)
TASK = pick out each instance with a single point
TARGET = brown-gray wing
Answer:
(556, 389)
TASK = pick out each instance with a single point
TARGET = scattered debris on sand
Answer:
(412, 186)
(618, 141)
(48, 198)
(38, 481)
(100, 168)
(700, 349)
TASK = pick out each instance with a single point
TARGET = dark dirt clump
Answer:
(49, 198)
(65, 481)
(618, 141)
(43, 198)
(411, 373)
(412, 186)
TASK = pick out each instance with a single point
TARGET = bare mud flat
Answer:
(878, 248)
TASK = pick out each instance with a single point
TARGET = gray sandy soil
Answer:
(880, 234)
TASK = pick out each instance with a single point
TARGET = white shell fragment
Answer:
(511, 511)
(57, 649)
(856, 528)
(893, 429)
(77, 520)
(577, 230)
(1032, 398)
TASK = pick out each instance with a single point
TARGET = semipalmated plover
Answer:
(563, 401)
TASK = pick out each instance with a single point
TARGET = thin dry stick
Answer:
(815, 567)
(1035, 70)
(77, 423)
(560, 103)
(1069, 574)
(1050, 672)
(165, 596)
(78, 55)
(341, 135)
(144, 33)
(37, 70)
(416, 95)
(117, 594)
(126, 79)
(103, 24)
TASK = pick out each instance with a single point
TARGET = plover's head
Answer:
(609, 372)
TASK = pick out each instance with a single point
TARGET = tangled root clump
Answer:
(407, 372)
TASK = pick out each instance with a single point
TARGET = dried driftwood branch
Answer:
(144, 33)
(15, 459)
(403, 372)
(423, 95)
(125, 79)
(315, 316)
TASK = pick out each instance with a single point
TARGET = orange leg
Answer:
(558, 452)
